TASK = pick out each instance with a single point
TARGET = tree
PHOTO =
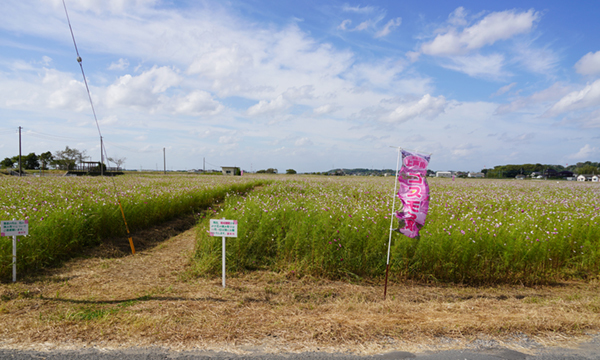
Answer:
(588, 170)
(118, 161)
(7, 163)
(31, 162)
(67, 159)
(290, 171)
(271, 171)
(46, 159)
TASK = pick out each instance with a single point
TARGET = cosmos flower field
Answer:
(478, 231)
(66, 214)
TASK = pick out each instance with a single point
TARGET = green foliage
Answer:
(290, 171)
(67, 214)
(477, 232)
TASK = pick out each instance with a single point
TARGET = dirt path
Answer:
(148, 300)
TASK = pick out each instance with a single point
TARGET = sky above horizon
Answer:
(304, 85)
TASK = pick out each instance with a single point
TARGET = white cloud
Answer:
(324, 109)
(388, 27)
(264, 106)
(428, 107)
(142, 90)
(122, 64)
(464, 150)
(358, 9)
(65, 92)
(494, 27)
(553, 93)
(226, 139)
(585, 152)
(589, 64)
(344, 25)
(587, 97)
(303, 142)
(503, 90)
(490, 66)
(198, 103)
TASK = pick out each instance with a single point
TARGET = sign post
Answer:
(223, 228)
(14, 228)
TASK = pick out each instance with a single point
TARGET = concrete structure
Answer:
(230, 170)
(446, 174)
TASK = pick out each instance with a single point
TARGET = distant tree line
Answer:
(510, 171)
(66, 159)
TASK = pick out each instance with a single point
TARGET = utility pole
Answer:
(203, 165)
(20, 151)
(164, 161)
(101, 158)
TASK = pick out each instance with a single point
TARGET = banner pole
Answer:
(14, 256)
(387, 264)
(223, 260)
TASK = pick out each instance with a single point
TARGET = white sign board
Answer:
(15, 228)
(223, 228)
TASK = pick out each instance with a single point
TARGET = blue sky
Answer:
(308, 85)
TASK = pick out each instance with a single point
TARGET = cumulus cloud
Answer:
(265, 106)
(428, 106)
(585, 152)
(323, 109)
(587, 97)
(493, 27)
(142, 90)
(122, 64)
(589, 64)
(303, 142)
(65, 92)
(198, 103)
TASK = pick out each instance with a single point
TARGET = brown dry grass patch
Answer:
(148, 300)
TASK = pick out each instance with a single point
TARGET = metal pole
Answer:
(387, 264)
(20, 151)
(223, 261)
(14, 262)
(164, 161)
(101, 158)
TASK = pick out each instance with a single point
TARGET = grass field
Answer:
(478, 231)
(68, 213)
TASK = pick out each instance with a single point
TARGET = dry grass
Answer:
(147, 300)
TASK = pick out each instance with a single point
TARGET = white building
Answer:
(445, 174)
(476, 175)
(595, 178)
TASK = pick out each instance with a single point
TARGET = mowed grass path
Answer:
(69, 213)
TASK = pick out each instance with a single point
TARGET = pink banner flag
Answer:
(414, 193)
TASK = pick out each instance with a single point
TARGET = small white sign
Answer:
(15, 227)
(223, 228)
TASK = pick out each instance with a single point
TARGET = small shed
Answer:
(595, 178)
(230, 170)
